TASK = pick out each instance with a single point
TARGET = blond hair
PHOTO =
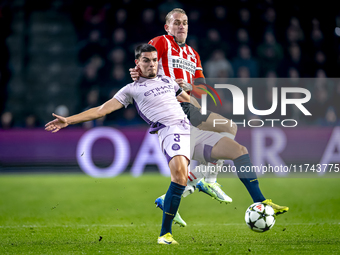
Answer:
(176, 10)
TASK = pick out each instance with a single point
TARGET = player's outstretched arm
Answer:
(91, 114)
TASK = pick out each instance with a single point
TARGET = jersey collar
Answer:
(179, 44)
(142, 79)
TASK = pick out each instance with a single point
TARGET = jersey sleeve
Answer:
(124, 96)
(177, 88)
(199, 69)
(160, 44)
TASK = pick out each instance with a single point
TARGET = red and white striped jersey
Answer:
(175, 61)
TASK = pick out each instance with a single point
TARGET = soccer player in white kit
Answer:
(155, 98)
(182, 63)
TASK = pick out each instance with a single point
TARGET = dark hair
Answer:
(143, 48)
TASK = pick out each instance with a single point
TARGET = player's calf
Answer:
(227, 148)
(178, 168)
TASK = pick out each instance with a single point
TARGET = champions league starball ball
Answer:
(260, 217)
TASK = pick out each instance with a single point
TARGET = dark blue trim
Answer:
(207, 154)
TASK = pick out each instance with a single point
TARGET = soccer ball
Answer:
(260, 217)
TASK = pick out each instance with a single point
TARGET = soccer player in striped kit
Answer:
(182, 63)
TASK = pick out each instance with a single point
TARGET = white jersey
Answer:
(155, 101)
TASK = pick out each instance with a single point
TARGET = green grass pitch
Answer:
(77, 214)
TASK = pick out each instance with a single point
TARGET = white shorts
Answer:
(187, 141)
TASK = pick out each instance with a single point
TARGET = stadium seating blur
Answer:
(66, 56)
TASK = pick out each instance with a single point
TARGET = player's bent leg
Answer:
(221, 125)
(228, 129)
(227, 148)
(239, 154)
(204, 122)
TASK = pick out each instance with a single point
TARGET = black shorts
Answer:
(194, 114)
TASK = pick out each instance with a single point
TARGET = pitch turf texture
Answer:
(77, 214)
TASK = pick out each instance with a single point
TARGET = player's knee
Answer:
(244, 150)
(241, 150)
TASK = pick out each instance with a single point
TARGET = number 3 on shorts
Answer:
(176, 138)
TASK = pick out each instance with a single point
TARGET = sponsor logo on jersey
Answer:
(189, 66)
(159, 90)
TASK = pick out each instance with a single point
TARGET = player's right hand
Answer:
(56, 124)
(184, 85)
(134, 72)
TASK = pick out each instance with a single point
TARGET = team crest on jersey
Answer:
(165, 80)
(176, 147)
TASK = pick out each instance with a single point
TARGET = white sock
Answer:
(195, 175)
(211, 176)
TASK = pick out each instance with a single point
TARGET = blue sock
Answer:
(249, 179)
(171, 204)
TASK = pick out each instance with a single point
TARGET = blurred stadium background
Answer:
(66, 56)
